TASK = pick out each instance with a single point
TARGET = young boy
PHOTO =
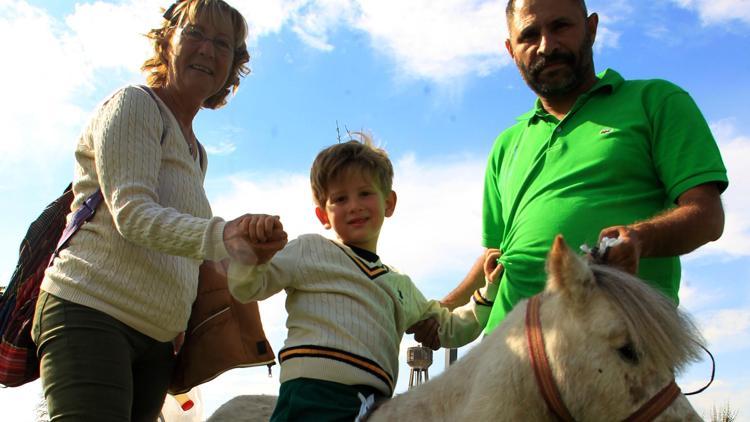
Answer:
(347, 310)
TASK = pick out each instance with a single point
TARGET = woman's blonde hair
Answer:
(187, 11)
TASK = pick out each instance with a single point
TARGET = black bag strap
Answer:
(87, 210)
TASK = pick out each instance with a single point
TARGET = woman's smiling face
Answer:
(200, 57)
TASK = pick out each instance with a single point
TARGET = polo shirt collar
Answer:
(364, 254)
(607, 82)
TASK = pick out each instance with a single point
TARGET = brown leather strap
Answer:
(653, 408)
(540, 364)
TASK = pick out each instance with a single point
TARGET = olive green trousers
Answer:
(95, 368)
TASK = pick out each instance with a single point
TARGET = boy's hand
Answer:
(426, 332)
(254, 238)
(267, 236)
(492, 269)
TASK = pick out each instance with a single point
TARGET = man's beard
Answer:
(574, 75)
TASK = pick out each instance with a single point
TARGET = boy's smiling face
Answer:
(355, 208)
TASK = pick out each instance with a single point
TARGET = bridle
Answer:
(548, 388)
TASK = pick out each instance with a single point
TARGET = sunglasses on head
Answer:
(169, 13)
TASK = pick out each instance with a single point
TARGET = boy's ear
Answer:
(322, 217)
(390, 203)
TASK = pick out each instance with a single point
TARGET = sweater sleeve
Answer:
(257, 282)
(128, 154)
(464, 324)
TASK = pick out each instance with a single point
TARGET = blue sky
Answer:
(432, 82)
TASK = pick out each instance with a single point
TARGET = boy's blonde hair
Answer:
(356, 154)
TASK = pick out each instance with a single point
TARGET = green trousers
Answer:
(95, 368)
(311, 400)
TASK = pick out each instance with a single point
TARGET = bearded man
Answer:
(597, 156)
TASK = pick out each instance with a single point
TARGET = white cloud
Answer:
(266, 17)
(606, 38)
(718, 11)
(437, 40)
(287, 195)
(436, 228)
(113, 43)
(314, 22)
(220, 148)
(726, 329)
(611, 13)
(695, 297)
(735, 150)
(54, 70)
(611, 10)
(40, 83)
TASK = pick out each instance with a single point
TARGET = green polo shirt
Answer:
(625, 152)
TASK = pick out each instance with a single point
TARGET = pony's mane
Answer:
(658, 329)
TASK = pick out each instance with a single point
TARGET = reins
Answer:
(548, 388)
(713, 372)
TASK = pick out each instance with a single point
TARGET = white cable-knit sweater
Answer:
(137, 259)
(346, 315)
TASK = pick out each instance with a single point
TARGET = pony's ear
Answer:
(568, 274)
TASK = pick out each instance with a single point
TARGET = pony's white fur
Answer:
(590, 316)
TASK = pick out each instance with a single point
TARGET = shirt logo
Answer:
(605, 131)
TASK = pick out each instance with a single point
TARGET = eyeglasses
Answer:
(194, 34)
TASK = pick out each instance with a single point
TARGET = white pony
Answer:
(612, 343)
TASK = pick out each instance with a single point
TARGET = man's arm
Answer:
(697, 220)
(462, 293)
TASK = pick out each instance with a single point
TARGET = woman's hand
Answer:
(492, 269)
(254, 238)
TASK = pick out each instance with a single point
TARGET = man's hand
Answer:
(627, 253)
(492, 269)
(698, 218)
(254, 238)
(426, 332)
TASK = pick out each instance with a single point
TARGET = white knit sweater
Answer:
(137, 259)
(346, 315)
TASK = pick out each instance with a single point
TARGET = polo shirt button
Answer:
(558, 130)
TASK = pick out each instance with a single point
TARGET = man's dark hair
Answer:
(510, 9)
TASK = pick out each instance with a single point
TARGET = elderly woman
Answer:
(122, 290)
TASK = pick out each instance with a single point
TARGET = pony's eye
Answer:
(628, 353)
